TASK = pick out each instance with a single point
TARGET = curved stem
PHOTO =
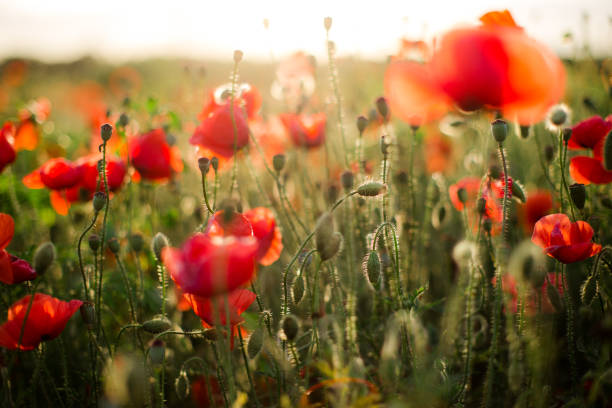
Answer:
(89, 227)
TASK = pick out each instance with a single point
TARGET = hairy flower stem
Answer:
(570, 326)
(89, 227)
(396, 267)
(103, 238)
(564, 186)
(210, 210)
(248, 370)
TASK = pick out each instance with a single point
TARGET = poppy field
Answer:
(429, 231)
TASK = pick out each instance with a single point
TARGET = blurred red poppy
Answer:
(267, 233)
(115, 172)
(539, 203)
(46, 320)
(7, 150)
(531, 306)
(247, 97)
(471, 185)
(590, 134)
(438, 153)
(230, 224)
(305, 130)
(564, 240)
(12, 269)
(271, 136)
(200, 392)
(153, 157)
(207, 266)
(55, 174)
(217, 134)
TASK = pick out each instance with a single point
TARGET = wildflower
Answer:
(267, 233)
(206, 266)
(55, 174)
(12, 269)
(539, 204)
(564, 240)
(46, 320)
(8, 153)
(227, 223)
(305, 130)
(590, 134)
(247, 96)
(438, 153)
(153, 157)
(220, 133)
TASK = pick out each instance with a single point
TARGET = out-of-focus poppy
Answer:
(46, 320)
(223, 224)
(217, 133)
(247, 97)
(7, 150)
(474, 189)
(238, 301)
(590, 134)
(305, 130)
(153, 157)
(295, 81)
(471, 185)
(438, 152)
(267, 233)
(564, 240)
(509, 286)
(200, 387)
(14, 73)
(271, 136)
(207, 266)
(587, 170)
(12, 269)
(55, 174)
(115, 172)
(538, 204)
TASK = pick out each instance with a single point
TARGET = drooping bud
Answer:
(373, 267)
(439, 215)
(382, 107)
(518, 191)
(495, 172)
(214, 162)
(136, 242)
(327, 241)
(589, 289)
(204, 165)
(371, 189)
(607, 152)
(327, 23)
(255, 343)
(291, 327)
(499, 129)
(567, 135)
(297, 289)
(362, 123)
(157, 325)
(238, 56)
(114, 246)
(332, 193)
(578, 195)
(347, 178)
(94, 242)
(278, 162)
(88, 314)
(157, 352)
(99, 201)
(106, 131)
(44, 257)
(158, 244)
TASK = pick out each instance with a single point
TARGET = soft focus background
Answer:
(126, 30)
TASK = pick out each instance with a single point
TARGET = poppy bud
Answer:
(94, 242)
(157, 325)
(158, 244)
(347, 179)
(291, 327)
(99, 201)
(384, 145)
(527, 264)
(214, 162)
(382, 107)
(123, 120)
(499, 129)
(278, 161)
(518, 191)
(298, 289)
(373, 267)
(549, 153)
(607, 152)
(481, 205)
(438, 215)
(157, 352)
(44, 257)
(371, 189)
(567, 135)
(327, 23)
(204, 165)
(578, 195)
(332, 193)
(238, 56)
(525, 131)
(362, 123)
(88, 314)
(558, 116)
(462, 195)
(113, 245)
(182, 386)
(106, 131)
(136, 242)
(255, 343)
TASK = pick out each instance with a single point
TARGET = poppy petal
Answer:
(7, 230)
(587, 170)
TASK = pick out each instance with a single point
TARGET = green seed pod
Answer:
(44, 257)
(136, 242)
(123, 120)
(157, 325)
(94, 242)
(99, 201)
(373, 267)
(298, 289)
(347, 178)
(554, 297)
(589, 289)
(255, 343)
(439, 215)
(462, 195)
(106, 132)
(578, 195)
(114, 246)
(362, 123)
(566, 133)
(88, 314)
(291, 327)
(182, 386)
(518, 191)
(204, 165)
(382, 107)
(214, 162)
(371, 189)
(527, 264)
(481, 205)
(278, 161)
(607, 152)
(558, 116)
(158, 244)
(332, 247)
(499, 129)
(157, 352)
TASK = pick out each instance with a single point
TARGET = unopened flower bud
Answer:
(157, 325)
(607, 152)
(566, 133)
(347, 178)
(158, 244)
(94, 242)
(278, 162)
(384, 145)
(88, 314)
(578, 195)
(157, 352)
(558, 116)
(123, 120)
(204, 165)
(462, 195)
(113, 245)
(495, 172)
(255, 343)
(499, 129)
(327, 23)
(327, 241)
(99, 201)
(291, 327)
(238, 56)
(297, 289)
(549, 153)
(382, 107)
(182, 386)
(332, 193)
(362, 123)
(106, 131)
(136, 242)
(214, 162)
(371, 189)
(44, 257)
(373, 267)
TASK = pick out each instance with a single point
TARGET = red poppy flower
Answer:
(207, 266)
(438, 153)
(238, 301)
(153, 157)
(266, 232)
(564, 240)
(199, 392)
(305, 130)
(115, 172)
(271, 136)
(247, 96)
(46, 320)
(471, 185)
(587, 170)
(510, 288)
(490, 192)
(12, 269)
(55, 174)
(234, 224)
(538, 204)
(589, 134)
(216, 132)
(7, 150)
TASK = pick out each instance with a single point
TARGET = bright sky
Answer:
(119, 30)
